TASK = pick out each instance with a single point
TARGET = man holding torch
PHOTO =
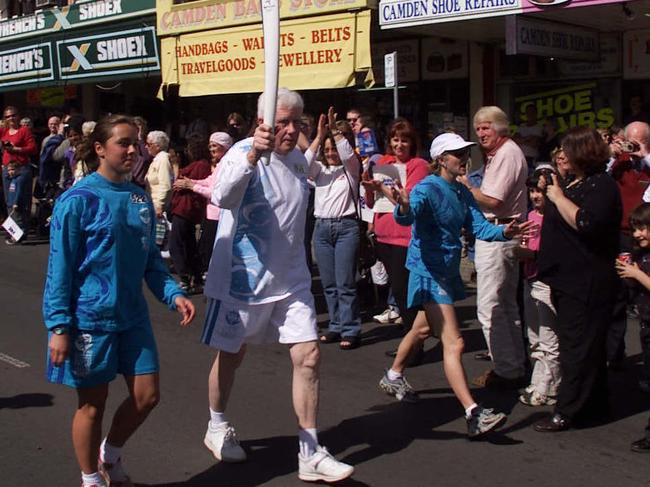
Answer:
(258, 284)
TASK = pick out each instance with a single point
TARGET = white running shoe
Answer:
(114, 473)
(322, 466)
(222, 442)
(388, 316)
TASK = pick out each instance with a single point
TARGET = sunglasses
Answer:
(11, 115)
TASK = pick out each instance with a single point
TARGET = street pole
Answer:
(390, 79)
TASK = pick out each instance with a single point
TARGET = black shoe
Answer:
(641, 446)
(552, 424)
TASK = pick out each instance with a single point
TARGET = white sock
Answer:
(392, 375)
(468, 411)
(92, 479)
(216, 418)
(308, 441)
(109, 453)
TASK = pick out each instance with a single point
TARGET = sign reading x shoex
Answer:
(120, 52)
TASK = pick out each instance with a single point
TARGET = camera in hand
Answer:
(629, 146)
(547, 173)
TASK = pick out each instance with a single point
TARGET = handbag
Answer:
(367, 253)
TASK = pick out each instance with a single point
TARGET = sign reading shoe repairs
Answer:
(314, 53)
(71, 17)
(26, 64)
(122, 52)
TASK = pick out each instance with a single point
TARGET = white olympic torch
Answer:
(271, 28)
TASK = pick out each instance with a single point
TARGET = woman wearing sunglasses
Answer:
(438, 208)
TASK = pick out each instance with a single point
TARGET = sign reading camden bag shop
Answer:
(26, 64)
(128, 51)
(551, 39)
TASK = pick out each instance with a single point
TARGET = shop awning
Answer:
(324, 51)
(130, 51)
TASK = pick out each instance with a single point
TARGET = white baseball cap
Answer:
(448, 143)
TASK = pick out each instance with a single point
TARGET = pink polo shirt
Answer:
(505, 180)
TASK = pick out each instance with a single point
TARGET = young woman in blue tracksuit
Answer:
(102, 245)
(439, 207)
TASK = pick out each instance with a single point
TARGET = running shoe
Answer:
(483, 420)
(114, 473)
(534, 398)
(387, 316)
(322, 466)
(222, 442)
(399, 388)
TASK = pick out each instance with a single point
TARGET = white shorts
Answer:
(229, 324)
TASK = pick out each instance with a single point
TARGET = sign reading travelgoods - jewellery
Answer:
(71, 17)
(122, 52)
(318, 52)
(404, 13)
(211, 14)
(26, 64)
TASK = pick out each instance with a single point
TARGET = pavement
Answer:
(390, 444)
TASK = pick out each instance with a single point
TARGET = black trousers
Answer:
(206, 242)
(183, 248)
(618, 325)
(394, 259)
(582, 326)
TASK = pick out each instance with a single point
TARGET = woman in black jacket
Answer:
(579, 248)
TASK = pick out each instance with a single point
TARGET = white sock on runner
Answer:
(109, 453)
(92, 479)
(216, 418)
(308, 441)
(468, 411)
(392, 375)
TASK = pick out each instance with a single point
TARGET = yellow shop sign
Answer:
(211, 14)
(323, 52)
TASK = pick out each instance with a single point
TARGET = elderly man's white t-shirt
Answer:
(259, 251)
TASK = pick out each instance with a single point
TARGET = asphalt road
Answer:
(390, 444)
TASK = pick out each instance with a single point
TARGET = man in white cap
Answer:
(258, 284)
(439, 207)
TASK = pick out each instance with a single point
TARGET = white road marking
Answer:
(13, 361)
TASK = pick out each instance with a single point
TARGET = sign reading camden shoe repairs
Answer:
(405, 13)
(526, 35)
(26, 64)
(73, 16)
(319, 52)
(122, 52)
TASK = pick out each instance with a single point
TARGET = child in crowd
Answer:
(14, 193)
(639, 272)
(538, 308)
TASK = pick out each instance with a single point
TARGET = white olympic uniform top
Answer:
(259, 251)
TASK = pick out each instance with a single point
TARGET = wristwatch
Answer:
(60, 330)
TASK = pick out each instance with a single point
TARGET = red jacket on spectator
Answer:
(185, 202)
(24, 139)
(386, 228)
(632, 182)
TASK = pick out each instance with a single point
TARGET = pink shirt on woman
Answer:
(204, 187)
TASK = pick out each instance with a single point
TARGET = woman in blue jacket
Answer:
(439, 207)
(102, 245)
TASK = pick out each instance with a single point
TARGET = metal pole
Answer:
(395, 101)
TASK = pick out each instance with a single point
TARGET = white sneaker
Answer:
(322, 466)
(114, 473)
(388, 316)
(222, 442)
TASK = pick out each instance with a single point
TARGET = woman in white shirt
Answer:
(336, 234)
(159, 175)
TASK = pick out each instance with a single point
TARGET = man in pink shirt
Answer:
(502, 197)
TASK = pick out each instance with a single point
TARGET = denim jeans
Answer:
(336, 245)
(23, 182)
